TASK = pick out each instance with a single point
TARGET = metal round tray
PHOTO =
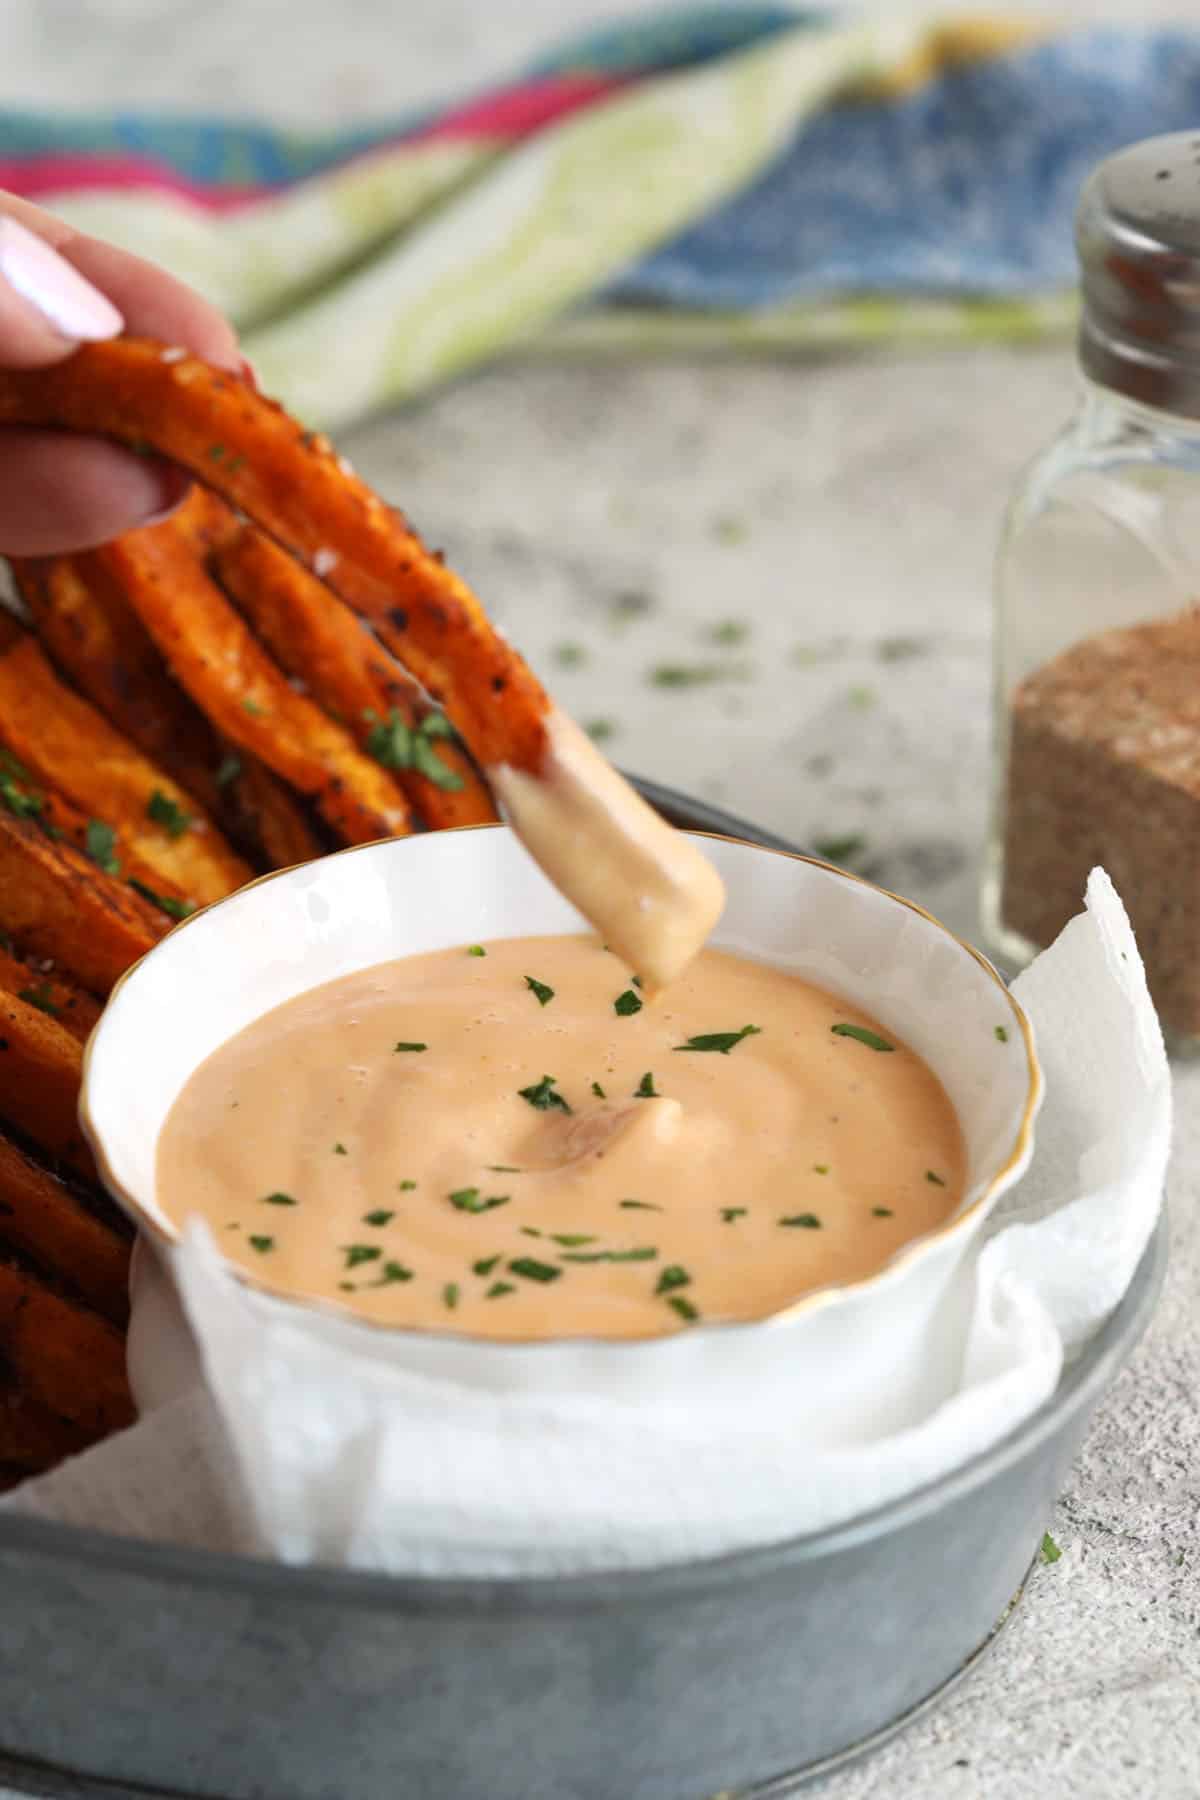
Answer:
(135, 1670)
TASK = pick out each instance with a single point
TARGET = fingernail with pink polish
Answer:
(47, 282)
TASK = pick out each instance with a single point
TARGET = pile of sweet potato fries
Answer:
(279, 669)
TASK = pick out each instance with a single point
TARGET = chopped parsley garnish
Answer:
(643, 1254)
(934, 1178)
(571, 1240)
(254, 709)
(398, 745)
(544, 1095)
(730, 1213)
(261, 1244)
(450, 1295)
(688, 675)
(673, 1276)
(167, 813)
(485, 1265)
(406, 1187)
(807, 1221)
(640, 1206)
(1050, 1550)
(99, 844)
(360, 1253)
(476, 950)
(544, 994)
(626, 1004)
(683, 1306)
(570, 656)
(391, 1272)
(174, 908)
(340, 1150)
(402, 1045)
(729, 632)
(721, 1041)
(599, 1091)
(499, 1287)
(471, 1200)
(229, 770)
(379, 1217)
(25, 806)
(840, 849)
(860, 1033)
(499, 1169)
(531, 1231)
(1002, 1034)
(645, 1089)
(530, 1269)
(41, 996)
(278, 1200)
(820, 1168)
(882, 1212)
(600, 730)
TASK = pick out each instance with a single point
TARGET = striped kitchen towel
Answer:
(754, 175)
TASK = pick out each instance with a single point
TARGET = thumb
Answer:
(47, 307)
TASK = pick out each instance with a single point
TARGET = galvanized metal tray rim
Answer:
(1080, 1387)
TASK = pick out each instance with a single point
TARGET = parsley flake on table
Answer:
(1050, 1550)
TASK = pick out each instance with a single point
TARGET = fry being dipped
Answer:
(649, 892)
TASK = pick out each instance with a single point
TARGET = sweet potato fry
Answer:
(56, 903)
(97, 640)
(40, 1070)
(261, 810)
(45, 1219)
(66, 743)
(318, 640)
(292, 483)
(44, 987)
(215, 656)
(64, 1357)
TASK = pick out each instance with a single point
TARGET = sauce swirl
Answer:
(510, 1140)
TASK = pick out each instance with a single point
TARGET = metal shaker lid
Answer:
(1137, 232)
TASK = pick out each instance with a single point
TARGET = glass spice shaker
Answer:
(1098, 602)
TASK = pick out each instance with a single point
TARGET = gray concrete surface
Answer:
(845, 512)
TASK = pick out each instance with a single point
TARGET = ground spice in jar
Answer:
(1104, 768)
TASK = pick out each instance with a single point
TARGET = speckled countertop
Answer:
(812, 540)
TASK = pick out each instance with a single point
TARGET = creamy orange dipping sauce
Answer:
(507, 1140)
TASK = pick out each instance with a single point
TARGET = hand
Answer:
(59, 289)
